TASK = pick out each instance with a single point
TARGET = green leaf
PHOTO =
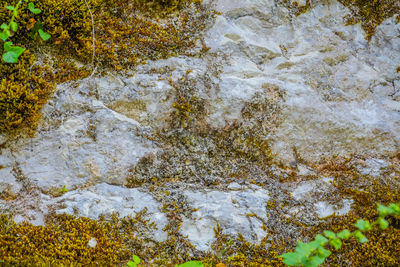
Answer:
(336, 243)
(363, 225)
(44, 35)
(315, 261)
(345, 234)
(330, 234)
(12, 55)
(321, 239)
(4, 35)
(291, 258)
(322, 252)
(4, 26)
(304, 249)
(131, 264)
(8, 46)
(360, 237)
(10, 7)
(383, 210)
(136, 259)
(394, 209)
(192, 264)
(14, 26)
(32, 8)
(383, 224)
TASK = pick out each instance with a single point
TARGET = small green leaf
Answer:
(321, 239)
(291, 258)
(10, 7)
(44, 35)
(322, 252)
(4, 36)
(14, 26)
(13, 54)
(136, 259)
(394, 209)
(4, 26)
(383, 224)
(192, 264)
(304, 249)
(315, 261)
(32, 8)
(345, 234)
(360, 237)
(363, 225)
(383, 210)
(131, 264)
(8, 46)
(336, 243)
(330, 234)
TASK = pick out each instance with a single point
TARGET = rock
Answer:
(274, 90)
(373, 167)
(319, 196)
(234, 211)
(92, 242)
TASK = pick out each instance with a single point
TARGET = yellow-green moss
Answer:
(24, 89)
(63, 243)
(125, 35)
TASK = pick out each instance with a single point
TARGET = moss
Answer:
(64, 242)
(125, 37)
(24, 89)
(370, 13)
(164, 7)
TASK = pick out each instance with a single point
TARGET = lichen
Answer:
(196, 151)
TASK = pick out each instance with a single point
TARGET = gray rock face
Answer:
(234, 211)
(270, 84)
(338, 87)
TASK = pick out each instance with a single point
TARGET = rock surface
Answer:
(273, 89)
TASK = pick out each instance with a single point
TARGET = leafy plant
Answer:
(314, 253)
(63, 190)
(11, 52)
(136, 260)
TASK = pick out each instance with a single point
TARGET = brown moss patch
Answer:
(370, 13)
